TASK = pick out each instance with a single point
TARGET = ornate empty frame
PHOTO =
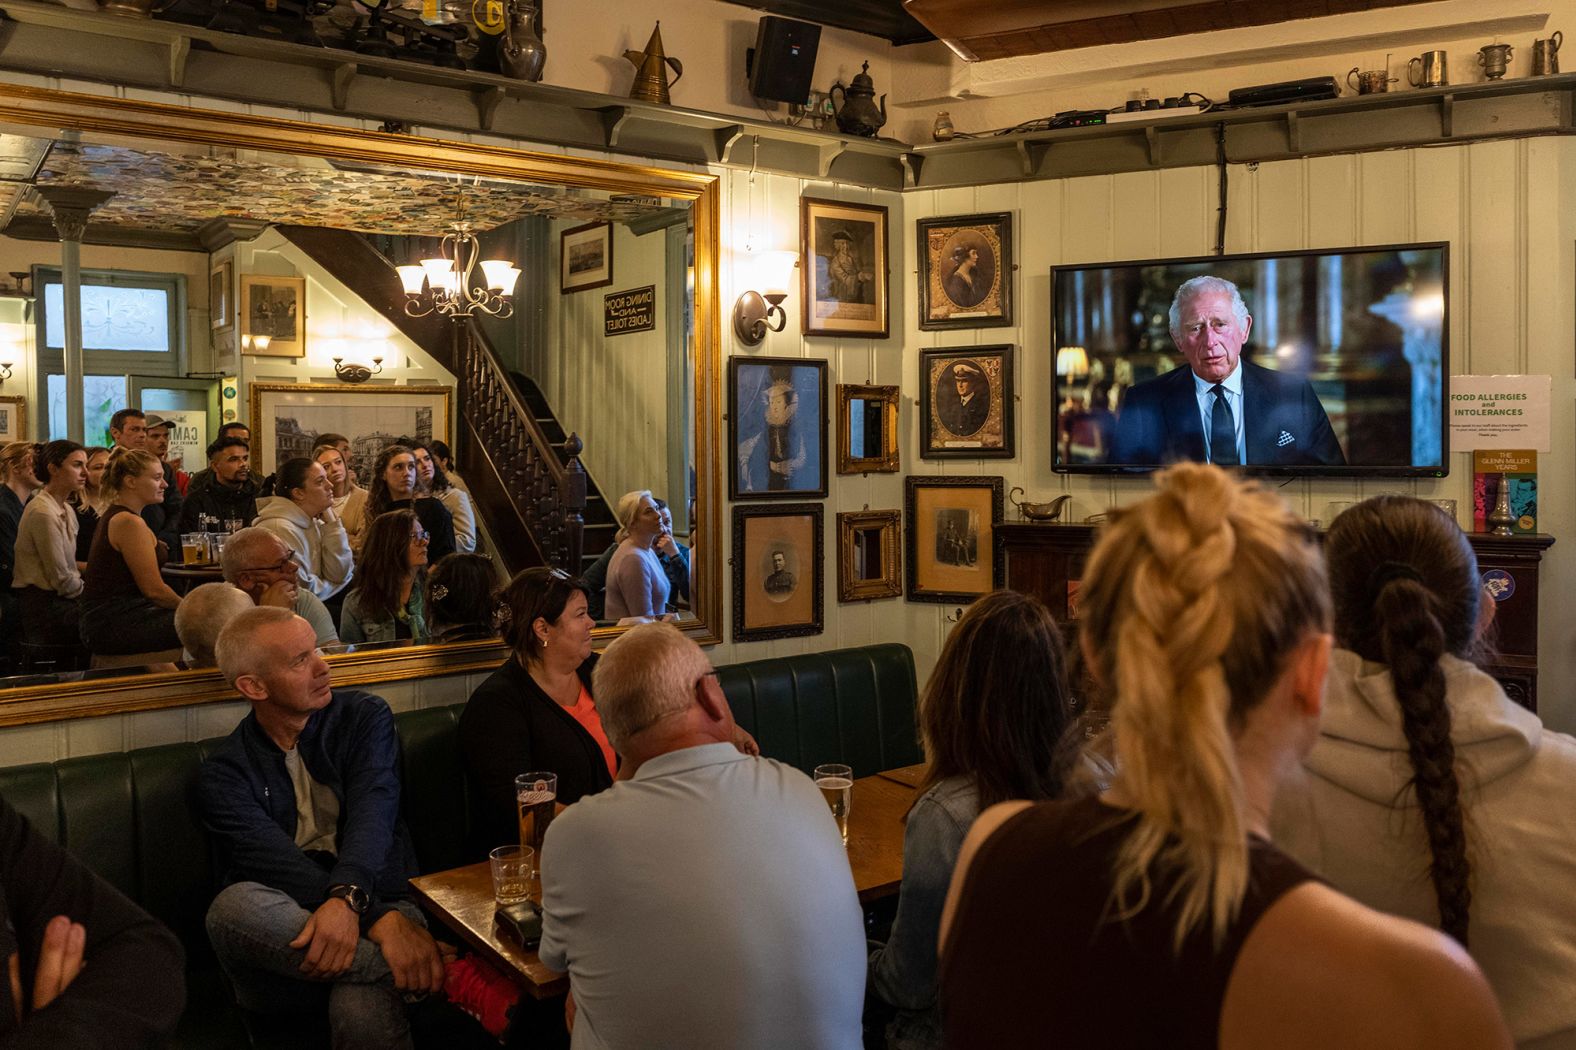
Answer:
(868, 444)
(869, 559)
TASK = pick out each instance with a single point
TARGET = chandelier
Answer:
(447, 284)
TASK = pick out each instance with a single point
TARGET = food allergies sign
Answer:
(1499, 412)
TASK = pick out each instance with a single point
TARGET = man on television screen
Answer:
(1218, 408)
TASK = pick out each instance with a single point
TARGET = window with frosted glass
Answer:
(114, 317)
(103, 396)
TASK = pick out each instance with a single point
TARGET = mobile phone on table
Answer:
(521, 922)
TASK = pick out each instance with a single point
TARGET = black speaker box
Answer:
(784, 59)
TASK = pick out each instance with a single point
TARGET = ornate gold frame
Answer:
(850, 588)
(887, 461)
(28, 107)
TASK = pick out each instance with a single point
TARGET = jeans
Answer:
(251, 927)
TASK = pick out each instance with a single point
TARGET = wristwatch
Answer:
(351, 894)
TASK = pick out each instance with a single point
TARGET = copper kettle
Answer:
(859, 114)
(651, 80)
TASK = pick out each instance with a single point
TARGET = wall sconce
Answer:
(5, 371)
(757, 313)
(255, 344)
(357, 373)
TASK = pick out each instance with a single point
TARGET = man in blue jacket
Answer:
(303, 798)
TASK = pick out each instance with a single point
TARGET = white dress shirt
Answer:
(1204, 390)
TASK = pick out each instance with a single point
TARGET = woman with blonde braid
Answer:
(1431, 794)
(1159, 913)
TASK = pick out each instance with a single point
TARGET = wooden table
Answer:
(182, 578)
(463, 898)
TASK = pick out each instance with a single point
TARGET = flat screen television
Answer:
(1314, 363)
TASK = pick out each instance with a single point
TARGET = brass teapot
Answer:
(859, 114)
(651, 79)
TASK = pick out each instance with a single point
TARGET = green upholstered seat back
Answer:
(434, 796)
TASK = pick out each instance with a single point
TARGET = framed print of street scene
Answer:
(287, 418)
(777, 416)
(844, 273)
(965, 271)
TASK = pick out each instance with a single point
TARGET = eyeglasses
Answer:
(419, 536)
(290, 559)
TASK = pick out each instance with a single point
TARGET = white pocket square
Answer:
(1284, 440)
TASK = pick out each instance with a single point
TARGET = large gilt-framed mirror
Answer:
(295, 186)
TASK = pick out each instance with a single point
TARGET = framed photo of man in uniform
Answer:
(950, 548)
(966, 403)
(777, 571)
(777, 420)
(965, 271)
(844, 273)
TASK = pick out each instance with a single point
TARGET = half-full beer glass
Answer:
(837, 787)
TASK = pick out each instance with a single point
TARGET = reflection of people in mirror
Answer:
(781, 581)
(847, 280)
(964, 285)
(963, 397)
(1213, 411)
(776, 458)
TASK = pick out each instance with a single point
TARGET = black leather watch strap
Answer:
(352, 895)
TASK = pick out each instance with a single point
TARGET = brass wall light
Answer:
(5, 371)
(354, 373)
(757, 313)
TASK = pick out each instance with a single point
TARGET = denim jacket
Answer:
(903, 972)
(357, 627)
(249, 805)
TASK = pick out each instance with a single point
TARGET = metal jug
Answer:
(521, 53)
(651, 79)
(859, 114)
(1370, 81)
(1546, 55)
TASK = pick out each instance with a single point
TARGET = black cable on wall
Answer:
(1220, 164)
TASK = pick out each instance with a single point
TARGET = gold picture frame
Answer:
(13, 419)
(869, 557)
(867, 429)
(287, 417)
(273, 315)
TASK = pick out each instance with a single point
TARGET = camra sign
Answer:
(188, 441)
(632, 311)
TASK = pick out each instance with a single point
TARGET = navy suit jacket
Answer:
(1283, 422)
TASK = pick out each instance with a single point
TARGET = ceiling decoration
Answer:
(171, 193)
(1010, 28)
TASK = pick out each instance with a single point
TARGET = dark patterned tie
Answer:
(1222, 431)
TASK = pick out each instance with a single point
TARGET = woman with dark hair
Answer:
(1430, 794)
(535, 712)
(1158, 913)
(460, 603)
(90, 503)
(47, 578)
(431, 481)
(386, 602)
(993, 719)
(394, 488)
(302, 514)
(126, 605)
(451, 470)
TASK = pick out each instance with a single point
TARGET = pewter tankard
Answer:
(1427, 70)
(1546, 55)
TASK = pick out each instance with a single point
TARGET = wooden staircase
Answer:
(600, 523)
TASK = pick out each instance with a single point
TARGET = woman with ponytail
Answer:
(1158, 913)
(1430, 794)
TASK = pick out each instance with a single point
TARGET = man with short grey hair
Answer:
(705, 899)
(303, 798)
(259, 563)
(202, 614)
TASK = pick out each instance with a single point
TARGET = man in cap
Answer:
(163, 518)
(963, 402)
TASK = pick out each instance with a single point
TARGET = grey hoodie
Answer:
(321, 544)
(1353, 817)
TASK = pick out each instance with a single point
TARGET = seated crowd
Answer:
(1306, 819)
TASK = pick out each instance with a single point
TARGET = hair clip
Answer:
(558, 574)
(502, 614)
(439, 592)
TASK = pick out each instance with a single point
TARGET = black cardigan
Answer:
(510, 726)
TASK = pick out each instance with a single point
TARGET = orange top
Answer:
(584, 711)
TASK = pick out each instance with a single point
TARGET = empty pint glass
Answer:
(536, 795)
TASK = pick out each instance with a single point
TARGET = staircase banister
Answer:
(544, 447)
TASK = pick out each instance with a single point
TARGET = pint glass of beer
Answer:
(535, 795)
(837, 787)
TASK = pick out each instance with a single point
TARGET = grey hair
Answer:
(648, 673)
(203, 614)
(237, 650)
(242, 547)
(626, 509)
(1203, 285)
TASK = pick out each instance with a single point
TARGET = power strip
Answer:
(1123, 116)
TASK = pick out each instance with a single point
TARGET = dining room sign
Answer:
(631, 311)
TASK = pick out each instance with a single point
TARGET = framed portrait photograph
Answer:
(13, 419)
(965, 271)
(219, 313)
(777, 579)
(869, 560)
(950, 537)
(273, 315)
(777, 428)
(585, 257)
(844, 275)
(867, 429)
(287, 418)
(966, 403)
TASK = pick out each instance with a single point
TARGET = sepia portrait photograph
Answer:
(845, 271)
(585, 257)
(966, 403)
(777, 576)
(950, 537)
(965, 271)
(777, 422)
(273, 315)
